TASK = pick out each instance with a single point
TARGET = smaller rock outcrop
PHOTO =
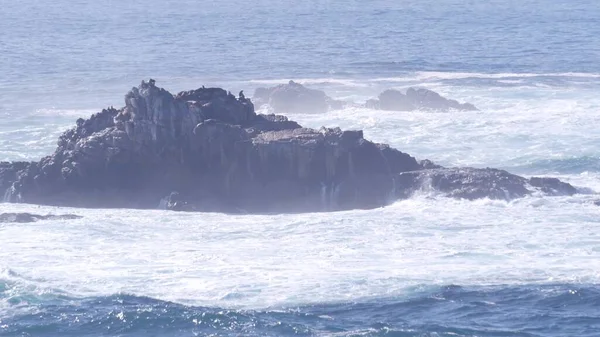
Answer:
(473, 183)
(416, 99)
(295, 98)
(552, 186)
(28, 217)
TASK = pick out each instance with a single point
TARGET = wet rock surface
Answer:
(474, 183)
(28, 217)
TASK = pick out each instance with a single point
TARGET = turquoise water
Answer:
(427, 266)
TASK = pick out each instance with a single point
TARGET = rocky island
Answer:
(207, 150)
(416, 99)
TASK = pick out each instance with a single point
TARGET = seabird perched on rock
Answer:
(242, 97)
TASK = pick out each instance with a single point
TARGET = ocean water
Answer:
(427, 266)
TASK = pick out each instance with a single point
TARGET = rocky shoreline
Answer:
(207, 150)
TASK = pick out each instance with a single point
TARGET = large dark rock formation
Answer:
(416, 99)
(295, 98)
(207, 150)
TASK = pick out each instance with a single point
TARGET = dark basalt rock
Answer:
(295, 98)
(263, 123)
(219, 155)
(472, 183)
(552, 186)
(10, 172)
(416, 99)
(28, 217)
(467, 183)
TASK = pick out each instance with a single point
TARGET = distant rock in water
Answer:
(207, 150)
(28, 217)
(416, 99)
(295, 98)
(471, 183)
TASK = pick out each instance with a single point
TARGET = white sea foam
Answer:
(76, 113)
(439, 75)
(314, 81)
(431, 76)
(514, 127)
(260, 261)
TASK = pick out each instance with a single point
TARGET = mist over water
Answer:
(427, 266)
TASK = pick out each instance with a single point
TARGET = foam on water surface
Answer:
(263, 261)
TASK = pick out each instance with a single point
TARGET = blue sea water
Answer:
(423, 267)
(524, 311)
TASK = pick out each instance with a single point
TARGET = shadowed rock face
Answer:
(416, 99)
(10, 172)
(295, 98)
(206, 150)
